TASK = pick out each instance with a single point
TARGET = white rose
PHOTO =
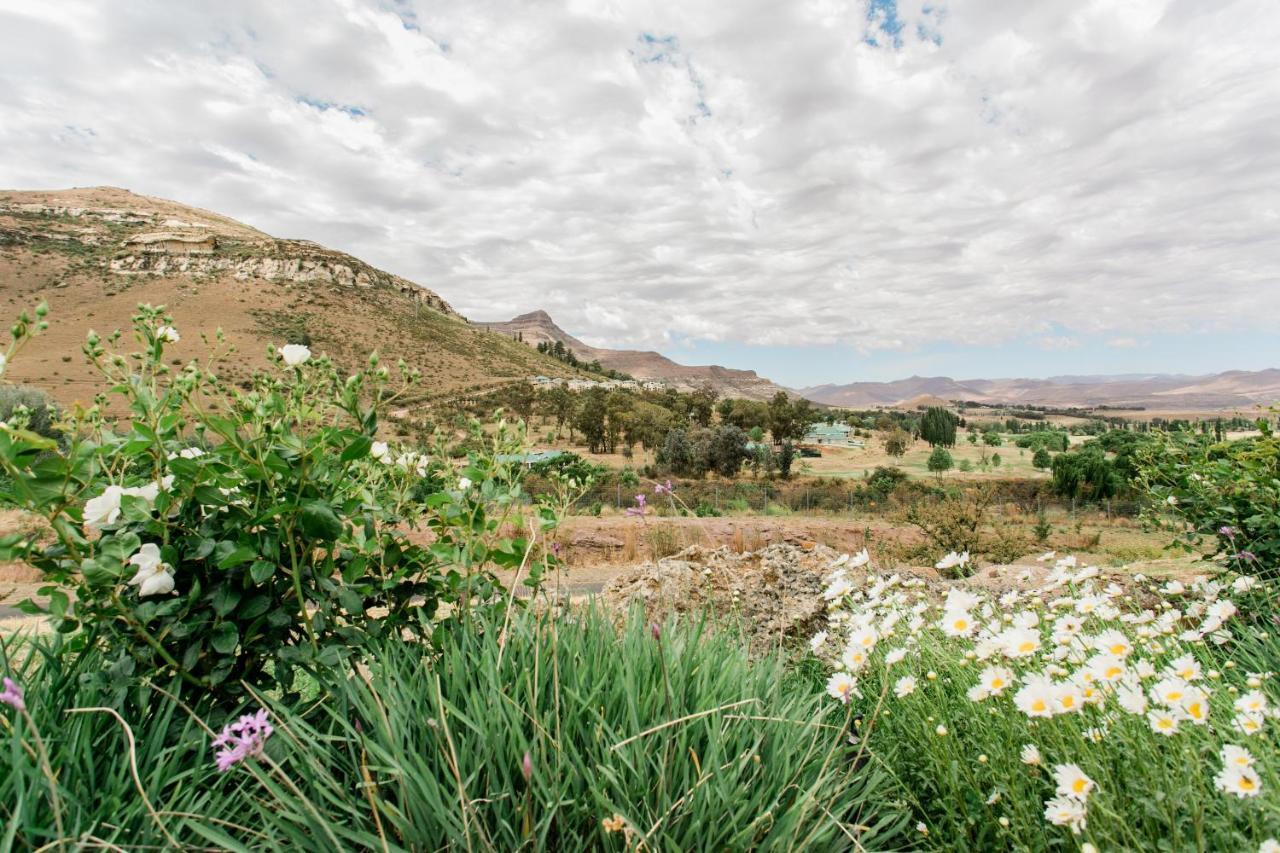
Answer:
(168, 334)
(153, 577)
(295, 354)
(380, 451)
(464, 484)
(103, 510)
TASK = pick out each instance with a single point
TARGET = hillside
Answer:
(537, 327)
(1237, 389)
(95, 254)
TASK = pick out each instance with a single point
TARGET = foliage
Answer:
(1226, 491)
(31, 409)
(1048, 439)
(885, 479)
(1041, 459)
(938, 427)
(896, 442)
(273, 518)
(565, 734)
(1085, 474)
(939, 460)
(953, 521)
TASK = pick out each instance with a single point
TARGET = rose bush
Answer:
(240, 535)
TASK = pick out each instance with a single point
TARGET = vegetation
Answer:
(1066, 724)
(568, 735)
(938, 427)
(1224, 491)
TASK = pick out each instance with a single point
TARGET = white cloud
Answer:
(756, 171)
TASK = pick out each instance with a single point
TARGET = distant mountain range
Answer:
(537, 327)
(1235, 389)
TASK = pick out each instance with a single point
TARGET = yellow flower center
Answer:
(1246, 784)
(997, 683)
(1078, 786)
(1037, 705)
(1068, 701)
(1118, 649)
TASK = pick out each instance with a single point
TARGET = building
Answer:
(832, 435)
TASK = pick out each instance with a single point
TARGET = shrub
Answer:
(952, 522)
(266, 530)
(1228, 492)
(939, 460)
(1041, 459)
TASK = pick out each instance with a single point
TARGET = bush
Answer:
(1228, 492)
(939, 460)
(30, 408)
(1041, 459)
(267, 528)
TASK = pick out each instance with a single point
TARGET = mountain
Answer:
(537, 327)
(1236, 389)
(95, 254)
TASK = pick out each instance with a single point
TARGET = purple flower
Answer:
(1227, 531)
(242, 739)
(639, 508)
(663, 488)
(1247, 556)
(555, 548)
(12, 695)
(526, 766)
(655, 630)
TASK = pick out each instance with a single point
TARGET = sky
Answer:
(821, 191)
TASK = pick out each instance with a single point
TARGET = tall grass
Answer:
(673, 738)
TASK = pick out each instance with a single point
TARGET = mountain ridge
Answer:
(536, 327)
(1225, 390)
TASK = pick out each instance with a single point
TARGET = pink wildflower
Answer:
(639, 508)
(663, 488)
(12, 695)
(242, 739)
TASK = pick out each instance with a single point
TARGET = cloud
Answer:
(1059, 343)
(1124, 343)
(880, 175)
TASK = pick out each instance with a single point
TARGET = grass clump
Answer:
(552, 732)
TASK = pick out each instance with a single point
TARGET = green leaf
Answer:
(261, 570)
(358, 448)
(320, 522)
(225, 599)
(350, 601)
(238, 555)
(224, 638)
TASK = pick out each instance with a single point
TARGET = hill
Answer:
(537, 327)
(95, 254)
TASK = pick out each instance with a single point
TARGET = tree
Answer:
(702, 403)
(991, 438)
(995, 460)
(677, 454)
(727, 451)
(1041, 460)
(786, 456)
(590, 419)
(897, 442)
(938, 427)
(940, 460)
